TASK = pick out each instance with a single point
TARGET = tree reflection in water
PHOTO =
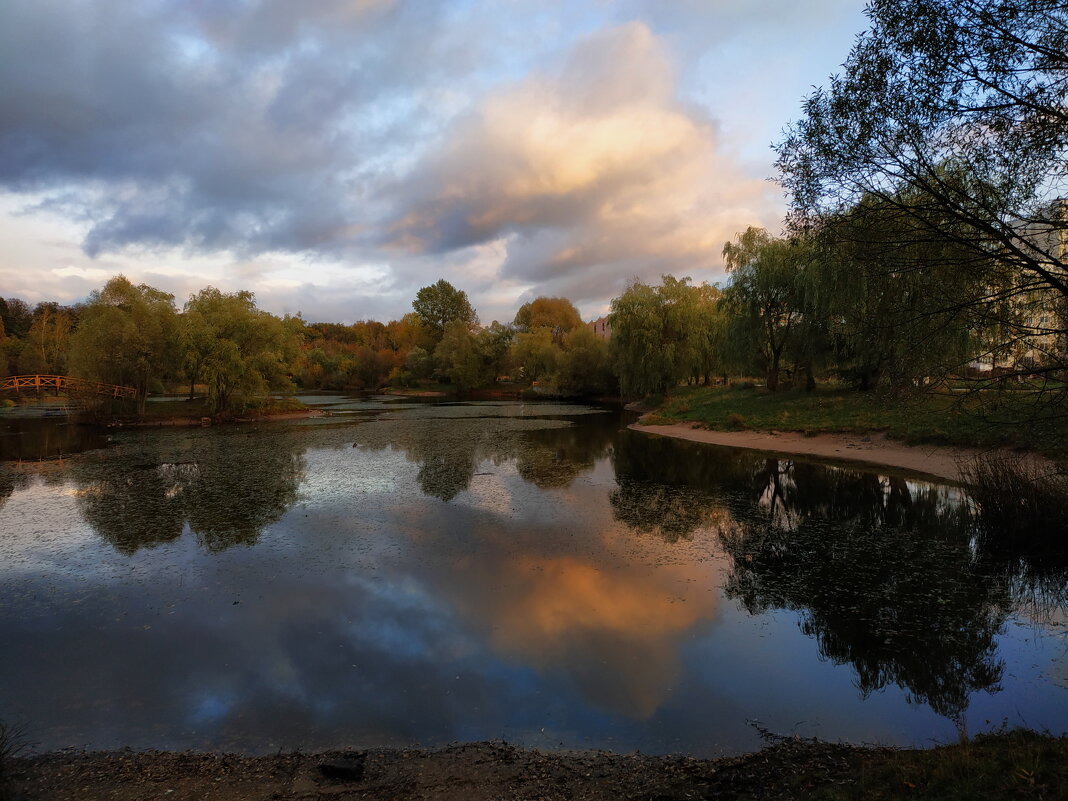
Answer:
(552, 458)
(228, 488)
(889, 576)
(903, 605)
(549, 453)
(11, 479)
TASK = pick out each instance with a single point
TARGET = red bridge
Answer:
(19, 384)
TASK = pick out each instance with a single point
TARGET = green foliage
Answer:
(6, 344)
(47, 342)
(16, 316)
(952, 114)
(439, 304)
(637, 340)
(126, 335)
(243, 353)
(535, 355)
(585, 365)
(465, 357)
(419, 363)
(662, 335)
(764, 301)
(895, 301)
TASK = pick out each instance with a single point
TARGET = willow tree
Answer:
(247, 353)
(658, 334)
(954, 113)
(470, 358)
(895, 303)
(125, 336)
(763, 301)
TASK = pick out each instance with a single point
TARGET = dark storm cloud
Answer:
(240, 126)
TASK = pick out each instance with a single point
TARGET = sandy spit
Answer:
(876, 450)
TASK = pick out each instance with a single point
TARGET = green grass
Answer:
(1008, 765)
(940, 418)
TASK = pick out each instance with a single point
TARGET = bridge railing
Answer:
(63, 383)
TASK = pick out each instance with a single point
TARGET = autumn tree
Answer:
(558, 315)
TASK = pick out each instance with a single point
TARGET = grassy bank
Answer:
(1019, 765)
(939, 418)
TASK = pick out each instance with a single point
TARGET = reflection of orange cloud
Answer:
(614, 626)
(569, 590)
(564, 594)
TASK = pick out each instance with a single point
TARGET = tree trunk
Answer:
(773, 373)
(773, 379)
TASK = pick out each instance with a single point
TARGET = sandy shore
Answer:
(876, 450)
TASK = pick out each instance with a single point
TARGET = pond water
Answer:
(399, 573)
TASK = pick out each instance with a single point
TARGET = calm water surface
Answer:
(399, 573)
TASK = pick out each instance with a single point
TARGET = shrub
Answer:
(1014, 494)
(13, 741)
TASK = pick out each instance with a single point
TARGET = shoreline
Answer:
(784, 768)
(476, 771)
(873, 449)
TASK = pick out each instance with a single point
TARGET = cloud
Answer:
(592, 174)
(539, 148)
(173, 124)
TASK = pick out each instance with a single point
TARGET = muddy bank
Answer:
(875, 449)
(468, 772)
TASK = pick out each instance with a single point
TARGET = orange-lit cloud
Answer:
(589, 175)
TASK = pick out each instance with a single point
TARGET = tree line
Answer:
(927, 232)
(928, 228)
(236, 354)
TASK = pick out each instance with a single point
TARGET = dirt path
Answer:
(875, 449)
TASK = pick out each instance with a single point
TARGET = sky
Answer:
(334, 156)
